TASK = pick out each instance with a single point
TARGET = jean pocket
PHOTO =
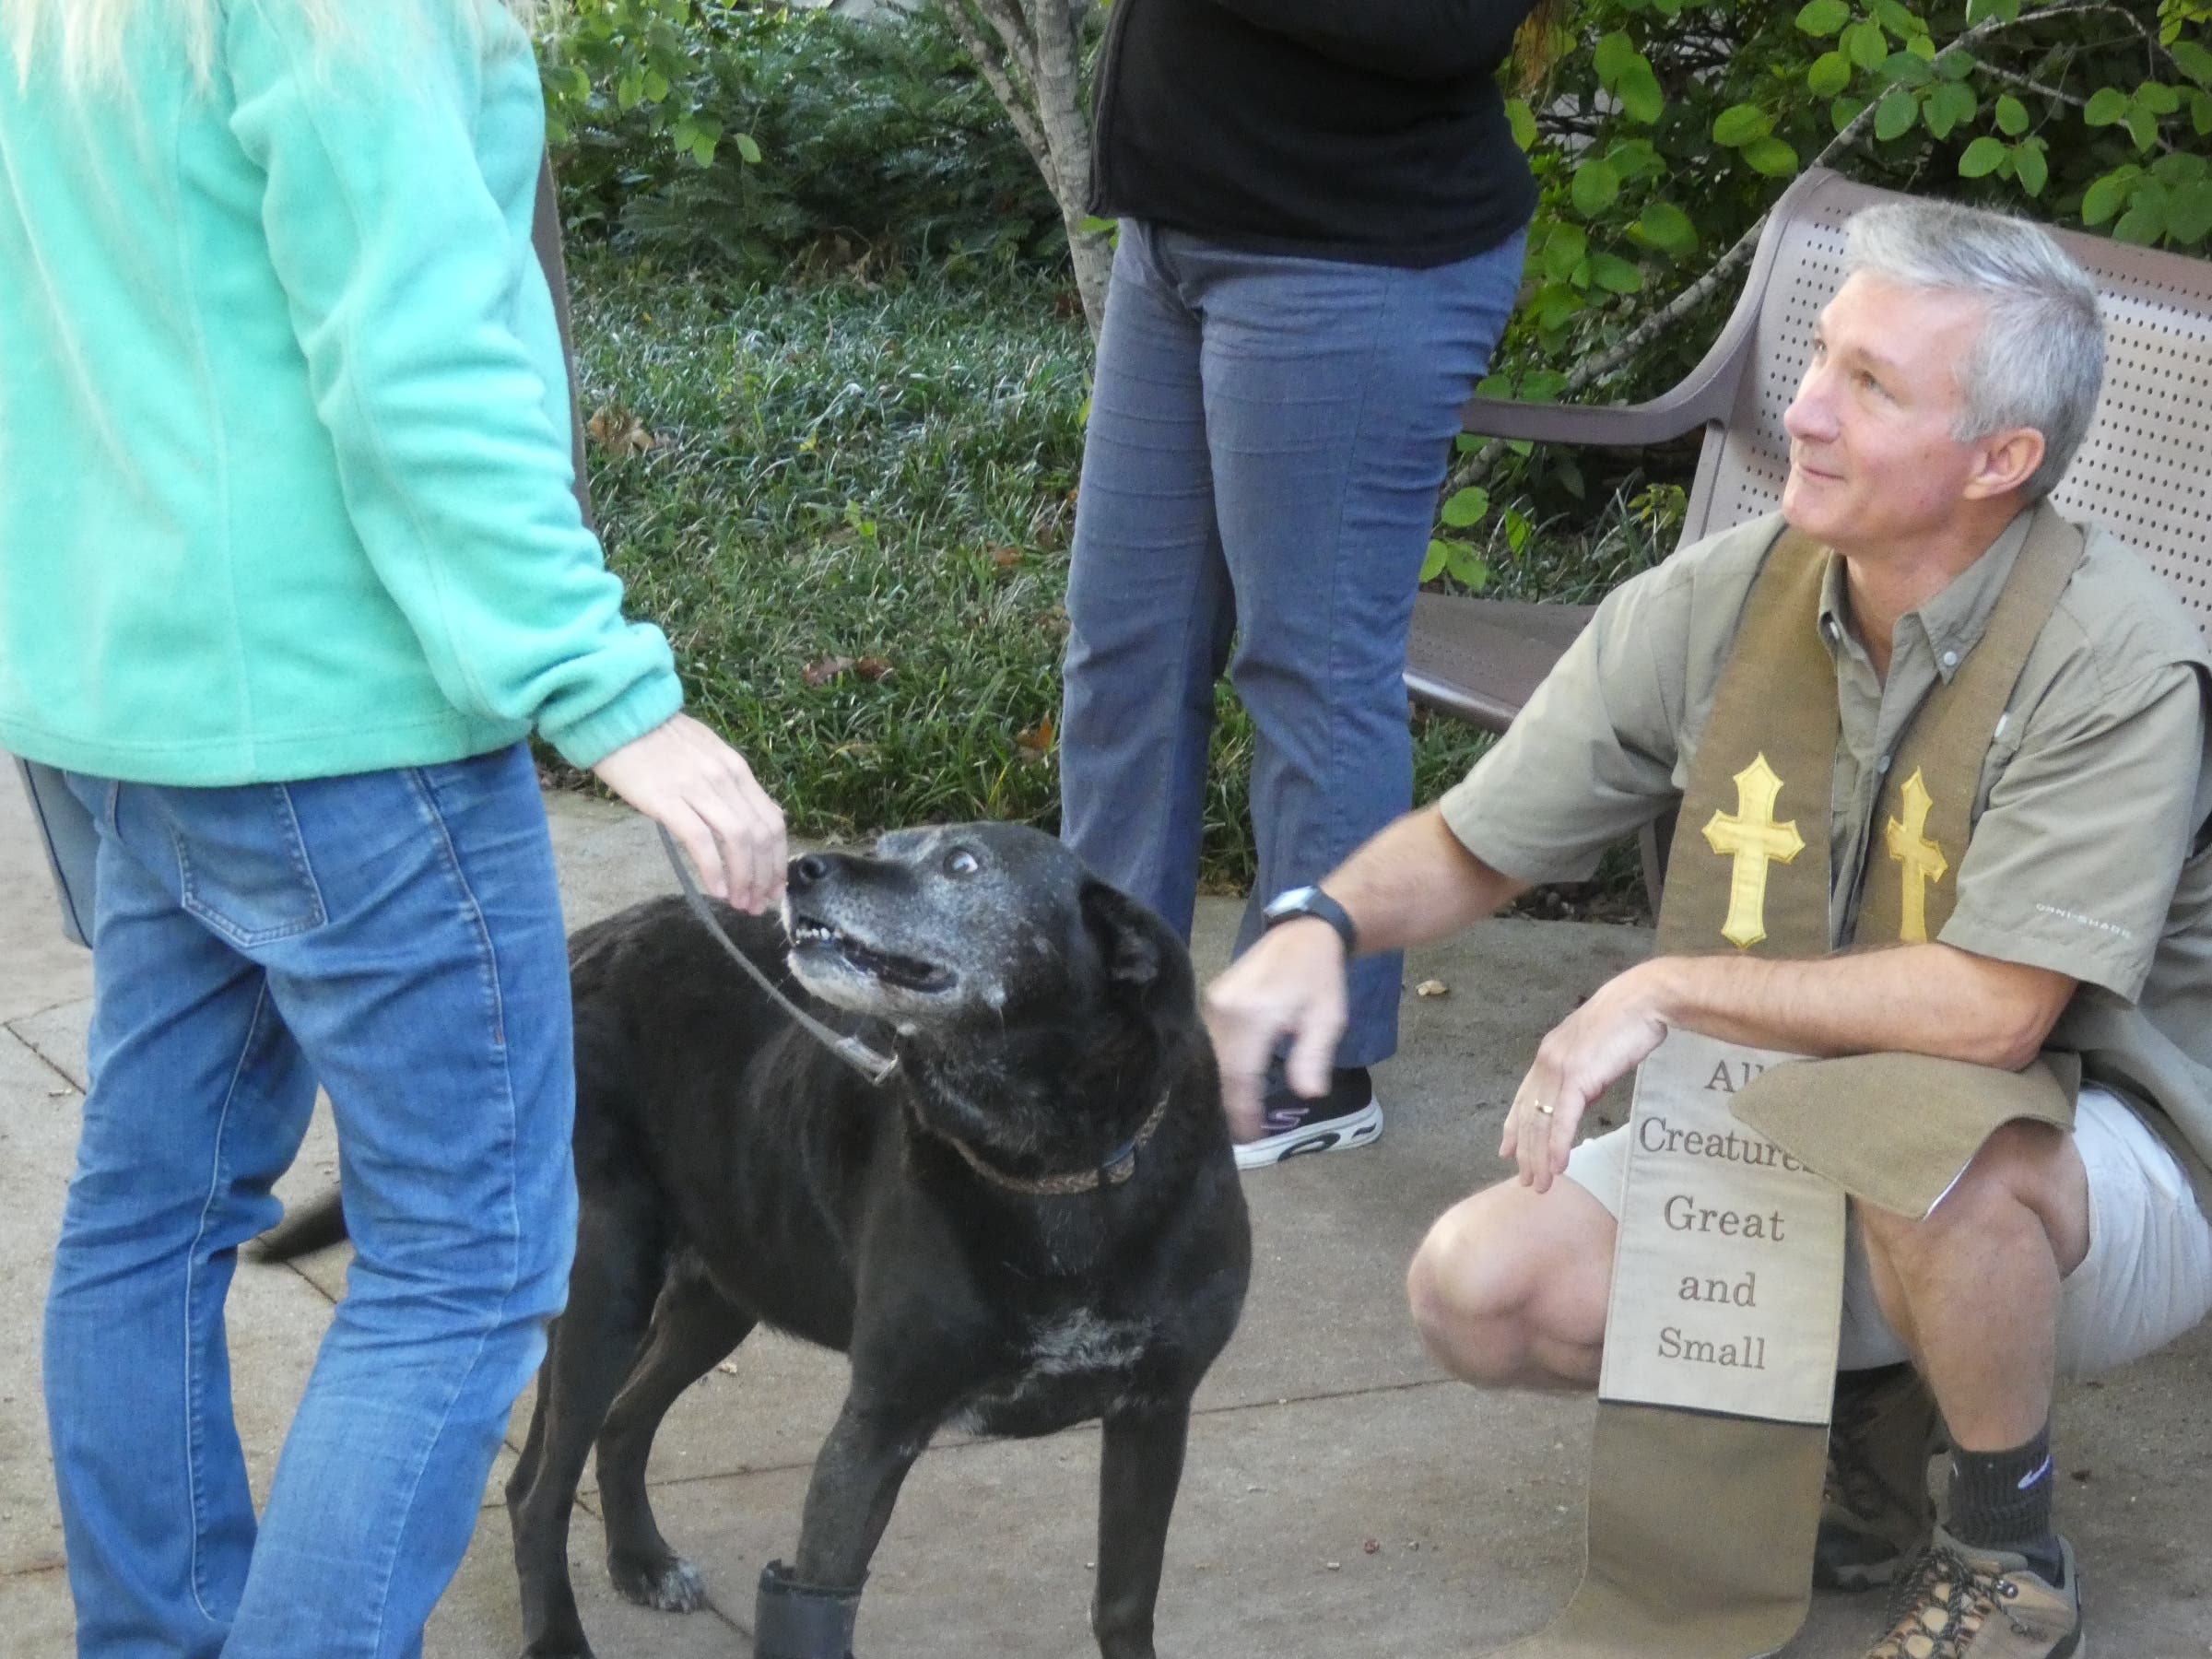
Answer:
(241, 864)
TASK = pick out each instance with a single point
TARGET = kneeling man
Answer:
(2070, 913)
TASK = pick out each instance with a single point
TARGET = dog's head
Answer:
(971, 925)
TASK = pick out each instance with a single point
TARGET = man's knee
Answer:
(1511, 1281)
(2027, 1175)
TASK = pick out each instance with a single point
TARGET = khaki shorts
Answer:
(2146, 1280)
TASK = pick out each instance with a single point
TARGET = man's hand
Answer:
(1578, 1059)
(687, 780)
(1289, 983)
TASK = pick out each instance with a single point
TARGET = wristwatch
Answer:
(1313, 901)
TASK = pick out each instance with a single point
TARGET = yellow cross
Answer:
(1923, 859)
(1754, 840)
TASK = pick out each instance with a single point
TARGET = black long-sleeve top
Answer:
(1369, 130)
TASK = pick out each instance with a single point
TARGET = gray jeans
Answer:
(1267, 437)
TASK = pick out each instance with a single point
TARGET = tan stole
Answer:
(1704, 1512)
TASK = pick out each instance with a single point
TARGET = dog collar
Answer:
(1118, 1166)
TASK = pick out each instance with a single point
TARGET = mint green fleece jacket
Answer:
(284, 454)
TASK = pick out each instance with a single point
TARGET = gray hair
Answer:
(2040, 359)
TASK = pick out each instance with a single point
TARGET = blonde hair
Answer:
(87, 36)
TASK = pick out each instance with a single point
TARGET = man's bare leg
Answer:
(1510, 1288)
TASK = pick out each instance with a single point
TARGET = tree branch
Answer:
(1002, 87)
(1477, 466)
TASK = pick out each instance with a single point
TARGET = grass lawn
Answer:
(850, 506)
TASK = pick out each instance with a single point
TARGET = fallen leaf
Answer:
(1036, 743)
(872, 668)
(1006, 558)
(1371, 1545)
(619, 432)
(821, 673)
(1432, 988)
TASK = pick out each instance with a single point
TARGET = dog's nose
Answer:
(806, 871)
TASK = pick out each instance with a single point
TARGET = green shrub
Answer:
(699, 130)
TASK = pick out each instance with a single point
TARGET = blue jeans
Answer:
(1267, 438)
(396, 936)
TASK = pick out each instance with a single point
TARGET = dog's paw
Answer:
(670, 1583)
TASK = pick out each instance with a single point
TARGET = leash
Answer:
(1116, 1168)
(855, 1053)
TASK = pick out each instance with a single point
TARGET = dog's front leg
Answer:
(1140, 1466)
(807, 1611)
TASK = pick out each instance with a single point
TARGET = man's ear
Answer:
(2004, 462)
(1132, 942)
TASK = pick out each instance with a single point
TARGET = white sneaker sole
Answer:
(1359, 1128)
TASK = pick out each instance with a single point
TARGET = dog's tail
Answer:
(316, 1225)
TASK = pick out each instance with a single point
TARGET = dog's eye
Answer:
(960, 862)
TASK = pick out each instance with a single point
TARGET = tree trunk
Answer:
(1031, 54)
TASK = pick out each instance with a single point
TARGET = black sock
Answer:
(2002, 1500)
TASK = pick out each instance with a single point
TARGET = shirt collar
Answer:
(1951, 624)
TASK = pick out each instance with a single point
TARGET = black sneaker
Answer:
(1293, 1125)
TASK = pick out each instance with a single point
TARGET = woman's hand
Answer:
(685, 778)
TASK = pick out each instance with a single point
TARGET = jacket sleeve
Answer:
(1415, 40)
(409, 289)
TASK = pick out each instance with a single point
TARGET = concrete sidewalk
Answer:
(1342, 1498)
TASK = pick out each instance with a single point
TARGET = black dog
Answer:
(1035, 1222)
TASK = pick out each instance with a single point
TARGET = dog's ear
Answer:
(1134, 944)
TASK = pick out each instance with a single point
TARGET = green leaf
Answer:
(1564, 248)
(1982, 157)
(1829, 75)
(2103, 198)
(749, 147)
(1897, 19)
(2200, 113)
(1616, 275)
(1978, 11)
(1772, 157)
(1845, 111)
(1465, 507)
(1615, 52)
(1821, 18)
(1905, 70)
(1668, 228)
(1923, 47)
(2188, 214)
(2107, 106)
(1896, 115)
(2181, 167)
(2012, 115)
(1740, 124)
(2030, 166)
(1640, 95)
(2141, 225)
(1950, 105)
(1595, 188)
(656, 86)
(1954, 64)
(1523, 121)
(1433, 565)
(1866, 44)
(2143, 127)
(1468, 567)
(2158, 98)
(2191, 59)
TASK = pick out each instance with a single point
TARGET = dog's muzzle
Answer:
(791, 1620)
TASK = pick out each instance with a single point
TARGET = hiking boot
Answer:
(1874, 1509)
(1293, 1125)
(1956, 1603)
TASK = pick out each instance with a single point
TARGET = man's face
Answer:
(1873, 464)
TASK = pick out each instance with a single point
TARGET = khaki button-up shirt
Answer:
(2093, 796)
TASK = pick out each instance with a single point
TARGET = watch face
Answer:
(1285, 904)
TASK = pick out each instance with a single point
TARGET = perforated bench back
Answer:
(2145, 470)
